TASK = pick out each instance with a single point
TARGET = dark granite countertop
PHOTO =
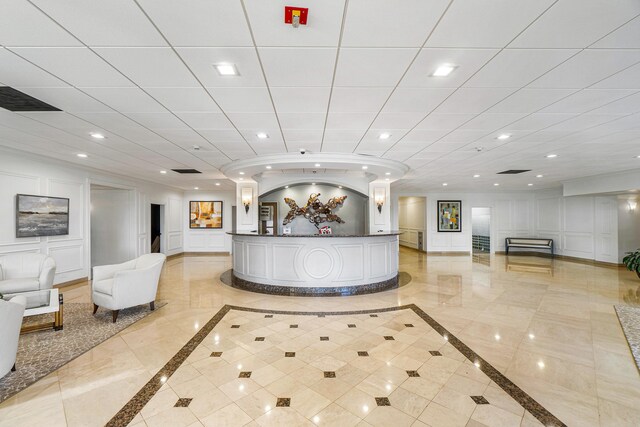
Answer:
(382, 233)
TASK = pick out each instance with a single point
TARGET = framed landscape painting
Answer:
(38, 216)
(205, 214)
(449, 215)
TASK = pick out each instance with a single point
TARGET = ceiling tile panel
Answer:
(184, 99)
(626, 79)
(576, 23)
(126, 100)
(243, 99)
(201, 61)
(627, 36)
(518, 67)
(298, 67)
(302, 121)
(485, 23)
(354, 121)
(158, 121)
(444, 121)
(333, 136)
(586, 100)
(100, 23)
(22, 24)
(530, 100)
(255, 121)
(422, 100)
(387, 121)
(300, 99)
(492, 121)
(66, 99)
(15, 71)
(372, 67)
(358, 99)
(200, 22)
(381, 23)
(150, 67)
(473, 100)
(200, 121)
(322, 29)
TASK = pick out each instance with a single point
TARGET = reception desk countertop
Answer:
(382, 233)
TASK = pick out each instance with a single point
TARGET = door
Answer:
(481, 229)
(156, 227)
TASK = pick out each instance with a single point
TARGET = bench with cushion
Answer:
(528, 242)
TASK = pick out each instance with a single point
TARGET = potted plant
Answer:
(632, 261)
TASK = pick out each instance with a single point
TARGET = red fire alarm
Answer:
(295, 15)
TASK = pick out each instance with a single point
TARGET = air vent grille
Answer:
(14, 100)
(186, 170)
(514, 171)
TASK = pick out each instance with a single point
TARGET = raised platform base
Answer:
(228, 278)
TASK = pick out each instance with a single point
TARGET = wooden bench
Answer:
(528, 242)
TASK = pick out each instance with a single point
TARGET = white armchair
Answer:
(131, 283)
(26, 272)
(11, 313)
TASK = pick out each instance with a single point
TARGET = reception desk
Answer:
(315, 265)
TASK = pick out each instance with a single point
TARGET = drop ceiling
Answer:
(558, 77)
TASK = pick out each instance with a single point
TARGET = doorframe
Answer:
(492, 239)
(163, 234)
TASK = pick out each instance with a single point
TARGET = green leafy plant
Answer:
(632, 261)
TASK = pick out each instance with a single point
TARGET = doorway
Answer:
(157, 219)
(481, 229)
(412, 222)
(112, 233)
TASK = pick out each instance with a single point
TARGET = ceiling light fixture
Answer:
(340, 186)
(503, 136)
(387, 173)
(286, 186)
(163, 172)
(226, 69)
(384, 135)
(539, 176)
(268, 167)
(241, 173)
(217, 184)
(313, 183)
(444, 184)
(476, 176)
(530, 185)
(82, 155)
(496, 184)
(317, 165)
(444, 70)
(551, 156)
(97, 135)
(365, 168)
(262, 135)
(196, 188)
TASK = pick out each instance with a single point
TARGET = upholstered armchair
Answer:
(131, 283)
(11, 313)
(26, 272)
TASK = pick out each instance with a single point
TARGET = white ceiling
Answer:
(561, 77)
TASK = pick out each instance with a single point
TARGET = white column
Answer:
(247, 218)
(379, 219)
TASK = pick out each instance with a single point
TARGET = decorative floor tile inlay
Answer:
(383, 401)
(259, 339)
(283, 402)
(268, 316)
(183, 402)
(480, 400)
(351, 325)
(328, 381)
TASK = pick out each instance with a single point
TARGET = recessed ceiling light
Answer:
(476, 176)
(313, 183)
(196, 147)
(538, 176)
(217, 184)
(163, 172)
(240, 179)
(241, 173)
(530, 185)
(444, 184)
(82, 155)
(317, 165)
(386, 179)
(637, 157)
(97, 135)
(365, 167)
(196, 188)
(496, 184)
(226, 69)
(387, 173)
(551, 156)
(262, 135)
(444, 70)
(286, 186)
(339, 186)
(503, 136)
(384, 135)
(268, 167)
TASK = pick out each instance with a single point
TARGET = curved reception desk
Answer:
(315, 265)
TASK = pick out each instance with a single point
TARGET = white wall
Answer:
(412, 219)
(111, 226)
(628, 227)
(209, 240)
(29, 174)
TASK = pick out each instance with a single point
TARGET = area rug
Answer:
(629, 318)
(42, 352)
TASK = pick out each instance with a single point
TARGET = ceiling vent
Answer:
(14, 100)
(514, 171)
(186, 170)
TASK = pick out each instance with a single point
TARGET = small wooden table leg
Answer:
(59, 315)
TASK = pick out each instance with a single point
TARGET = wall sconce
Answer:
(247, 198)
(631, 205)
(379, 197)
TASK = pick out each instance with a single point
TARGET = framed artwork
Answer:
(450, 215)
(205, 214)
(38, 216)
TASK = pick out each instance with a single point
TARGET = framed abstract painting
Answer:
(450, 215)
(205, 214)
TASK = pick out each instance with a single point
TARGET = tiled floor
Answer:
(548, 326)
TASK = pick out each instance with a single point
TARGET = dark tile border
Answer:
(135, 405)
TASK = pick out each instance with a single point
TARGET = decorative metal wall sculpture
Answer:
(315, 211)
